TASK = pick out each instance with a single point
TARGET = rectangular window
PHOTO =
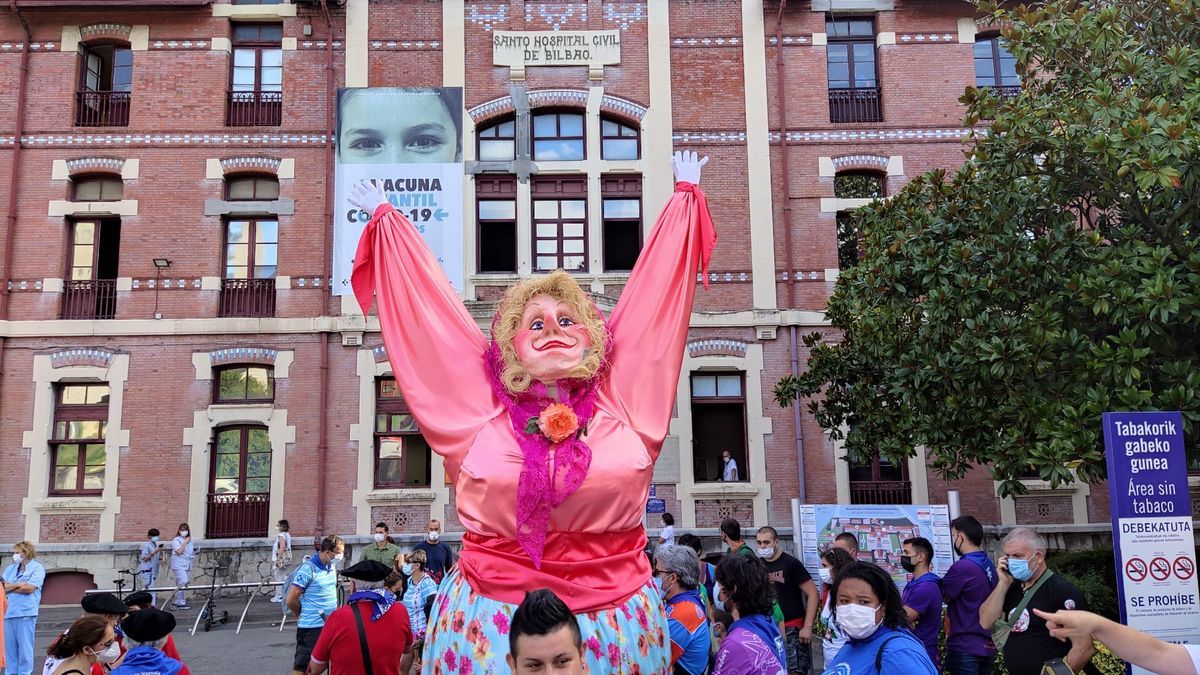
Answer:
(401, 453)
(91, 288)
(996, 67)
(558, 137)
(105, 86)
(852, 73)
(560, 224)
(622, 217)
(251, 249)
(618, 141)
(880, 481)
(498, 143)
(718, 425)
(496, 218)
(77, 453)
(244, 384)
(256, 75)
(243, 189)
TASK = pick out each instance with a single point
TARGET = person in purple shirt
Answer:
(968, 583)
(923, 595)
(753, 645)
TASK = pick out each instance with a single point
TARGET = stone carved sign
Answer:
(592, 48)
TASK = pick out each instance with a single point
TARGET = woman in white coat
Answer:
(182, 554)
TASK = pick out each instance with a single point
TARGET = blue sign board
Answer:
(656, 506)
(1152, 524)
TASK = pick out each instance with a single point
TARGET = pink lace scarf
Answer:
(550, 472)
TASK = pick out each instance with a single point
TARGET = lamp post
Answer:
(160, 264)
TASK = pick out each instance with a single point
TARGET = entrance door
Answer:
(239, 496)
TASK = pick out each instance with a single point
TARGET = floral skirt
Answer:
(468, 634)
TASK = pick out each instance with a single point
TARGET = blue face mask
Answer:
(662, 585)
(1019, 569)
(406, 569)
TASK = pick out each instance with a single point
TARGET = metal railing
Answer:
(247, 297)
(880, 492)
(102, 108)
(238, 514)
(254, 109)
(855, 105)
(1006, 91)
(92, 299)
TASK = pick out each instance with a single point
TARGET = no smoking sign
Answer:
(1184, 567)
(1135, 569)
(1160, 569)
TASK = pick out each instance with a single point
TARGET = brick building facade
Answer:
(168, 333)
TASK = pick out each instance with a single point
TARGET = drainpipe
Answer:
(323, 396)
(10, 223)
(781, 97)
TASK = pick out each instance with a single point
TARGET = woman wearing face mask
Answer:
(88, 641)
(281, 558)
(23, 581)
(832, 563)
(869, 612)
(754, 644)
(420, 586)
(182, 554)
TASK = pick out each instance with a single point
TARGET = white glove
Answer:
(367, 196)
(687, 167)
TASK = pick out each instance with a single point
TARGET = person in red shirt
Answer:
(370, 633)
(142, 600)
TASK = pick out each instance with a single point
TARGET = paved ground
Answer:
(260, 648)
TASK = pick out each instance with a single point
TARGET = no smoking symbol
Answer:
(1184, 568)
(1135, 569)
(1160, 569)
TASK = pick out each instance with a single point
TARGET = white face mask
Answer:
(379, 538)
(826, 575)
(110, 654)
(434, 535)
(857, 621)
(717, 601)
(183, 533)
(766, 552)
(339, 557)
(18, 558)
(154, 539)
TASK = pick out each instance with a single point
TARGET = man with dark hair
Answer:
(731, 534)
(378, 640)
(848, 542)
(968, 583)
(313, 597)
(382, 550)
(148, 561)
(923, 594)
(797, 596)
(544, 637)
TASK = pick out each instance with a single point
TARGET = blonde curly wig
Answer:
(561, 286)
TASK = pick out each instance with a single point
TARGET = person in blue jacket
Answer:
(869, 611)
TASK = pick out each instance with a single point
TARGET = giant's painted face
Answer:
(551, 340)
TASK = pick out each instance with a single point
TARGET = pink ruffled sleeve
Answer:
(434, 346)
(650, 323)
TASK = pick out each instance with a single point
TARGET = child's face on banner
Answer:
(409, 128)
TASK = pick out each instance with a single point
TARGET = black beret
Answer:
(103, 603)
(367, 570)
(148, 625)
(138, 598)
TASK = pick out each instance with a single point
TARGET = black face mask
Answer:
(957, 551)
(907, 563)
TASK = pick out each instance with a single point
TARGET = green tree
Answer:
(999, 309)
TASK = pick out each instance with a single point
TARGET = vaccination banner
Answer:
(1152, 524)
(881, 531)
(409, 140)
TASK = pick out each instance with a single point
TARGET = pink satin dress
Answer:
(593, 556)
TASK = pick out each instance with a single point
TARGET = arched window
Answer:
(242, 188)
(97, 189)
(854, 185)
(105, 83)
(995, 66)
(618, 141)
(558, 137)
(498, 142)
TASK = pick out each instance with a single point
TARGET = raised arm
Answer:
(650, 324)
(435, 348)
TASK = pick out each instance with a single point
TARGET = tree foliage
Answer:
(998, 310)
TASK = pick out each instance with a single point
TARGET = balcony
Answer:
(880, 492)
(237, 514)
(102, 108)
(255, 109)
(855, 105)
(93, 299)
(247, 298)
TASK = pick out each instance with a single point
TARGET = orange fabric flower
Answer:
(558, 422)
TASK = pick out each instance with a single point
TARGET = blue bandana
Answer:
(381, 597)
